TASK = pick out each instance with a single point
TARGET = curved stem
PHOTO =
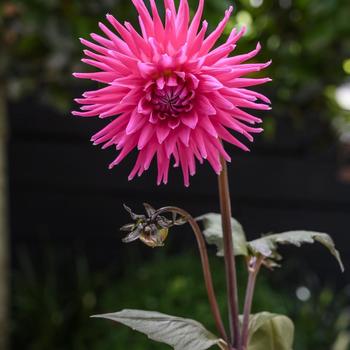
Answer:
(230, 264)
(205, 265)
(253, 268)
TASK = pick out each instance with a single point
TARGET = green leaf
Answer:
(213, 234)
(342, 342)
(180, 333)
(270, 332)
(268, 245)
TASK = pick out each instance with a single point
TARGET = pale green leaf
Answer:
(268, 245)
(180, 333)
(270, 332)
(342, 342)
(213, 234)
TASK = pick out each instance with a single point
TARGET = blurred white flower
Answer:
(342, 96)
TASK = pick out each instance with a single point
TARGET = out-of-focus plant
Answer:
(52, 299)
(343, 323)
(310, 51)
(37, 40)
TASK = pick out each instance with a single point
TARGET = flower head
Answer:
(171, 95)
(152, 229)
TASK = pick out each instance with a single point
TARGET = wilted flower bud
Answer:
(151, 229)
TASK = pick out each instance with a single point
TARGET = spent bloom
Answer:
(171, 95)
(152, 229)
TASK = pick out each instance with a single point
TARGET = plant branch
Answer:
(230, 264)
(205, 265)
(254, 265)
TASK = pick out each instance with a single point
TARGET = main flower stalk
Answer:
(230, 264)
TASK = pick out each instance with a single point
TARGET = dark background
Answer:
(64, 194)
(65, 206)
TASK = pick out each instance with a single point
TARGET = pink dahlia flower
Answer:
(171, 95)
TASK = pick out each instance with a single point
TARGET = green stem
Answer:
(205, 265)
(253, 269)
(230, 264)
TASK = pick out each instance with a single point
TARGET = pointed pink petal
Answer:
(204, 106)
(184, 164)
(197, 42)
(123, 33)
(93, 46)
(208, 83)
(145, 135)
(242, 58)
(145, 16)
(210, 41)
(169, 4)
(151, 150)
(162, 130)
(124, 152)
(227, 136)
(182, 21)
(199, 139)
(157, 22)
(190, 119)
(184, 135)
(246, 82)
(136, 122)
(192, 32)
(207, 125)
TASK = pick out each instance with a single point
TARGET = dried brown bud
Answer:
(152, 229)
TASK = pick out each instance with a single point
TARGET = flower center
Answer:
(171, 97)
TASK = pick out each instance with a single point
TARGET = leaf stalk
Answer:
(254, 264)
(205, 265)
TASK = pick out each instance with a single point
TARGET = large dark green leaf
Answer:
(268, 245)
(213, 234)
(270, 332)
(180, 333)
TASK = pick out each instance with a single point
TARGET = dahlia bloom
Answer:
(171, 94)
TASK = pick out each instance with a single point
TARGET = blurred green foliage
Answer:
(52, 302)
(308, 41)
